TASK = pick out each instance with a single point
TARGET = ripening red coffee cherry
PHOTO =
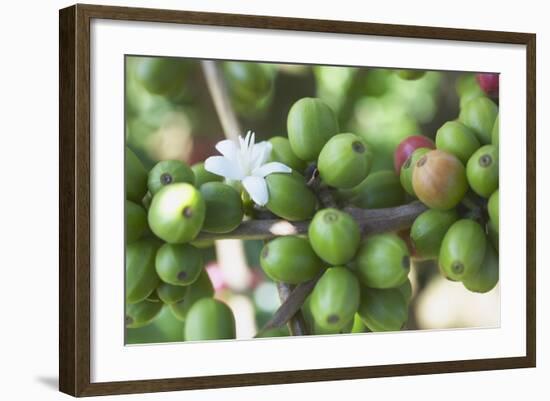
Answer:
(489, 83)
(439, 180)
(407, 147)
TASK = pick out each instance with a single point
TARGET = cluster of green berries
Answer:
(364, 281)
(461, 168)
(166, 208)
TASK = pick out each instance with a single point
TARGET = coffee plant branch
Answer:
(371, 221)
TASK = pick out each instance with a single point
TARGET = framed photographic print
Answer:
(279, 200)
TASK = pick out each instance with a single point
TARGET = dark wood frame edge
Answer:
(74, 199)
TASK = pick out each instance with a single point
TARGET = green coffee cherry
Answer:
(201, 288)
(290, 260)
(479, 114)
(310, 124)
(169, 172)
(136, 177)
(202, 176)
(455, 138)
(334, 236)
(289, 196)
(482, 170)
(162, 75)
(178, 264)
(405, 176)
(493, 207)
(428, 230)
(209, 319)
(282, 152)
(177, 213)
(136, 221)
(141, 313)
(383, 261)
(495, 133)
(410, 75)
(224, 207)
(462, 249)
(383, 310)
(379, 190)
(321, 331)
(315, 328)
(335, 298)
(406, 290)
(248, 83)
(486, 278)
(344, 161)
(170, 294)
(141, 277)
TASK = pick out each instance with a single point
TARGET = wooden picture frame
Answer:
(75, 208)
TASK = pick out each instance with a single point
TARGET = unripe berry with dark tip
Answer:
(178, 264)
(344, 161)
(169, 172)
(334, 236)
(482, 170)
(383, 261)
(335, 298)
(177, 213)
(462, 250)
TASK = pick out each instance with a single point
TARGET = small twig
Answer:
(292, 304)
(296, 322)
(220, 97)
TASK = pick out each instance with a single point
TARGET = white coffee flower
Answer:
(246, 163)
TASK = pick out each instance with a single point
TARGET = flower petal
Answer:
(228, 148)
(257, 189)
(260, 154)
(222, 166)
(270, 168)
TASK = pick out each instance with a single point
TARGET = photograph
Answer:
(265, 199)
